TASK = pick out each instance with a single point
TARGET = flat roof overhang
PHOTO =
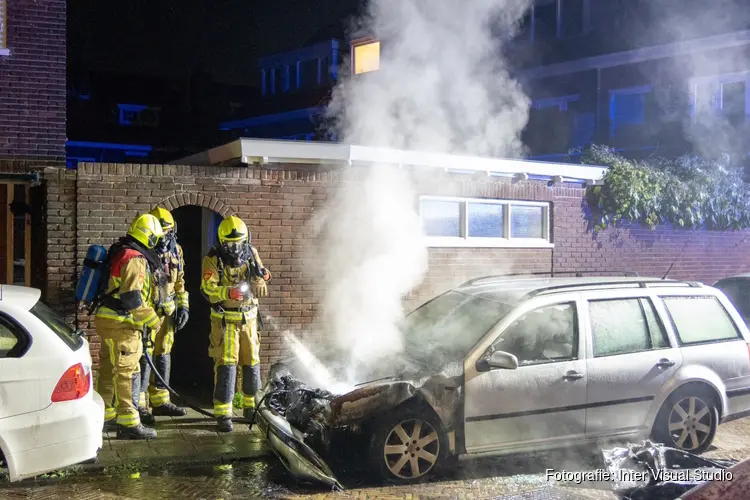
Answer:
(245, 152)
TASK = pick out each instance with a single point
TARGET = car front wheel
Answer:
(688, 420)
(408, 446)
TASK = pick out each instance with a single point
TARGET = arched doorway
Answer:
(192, 369)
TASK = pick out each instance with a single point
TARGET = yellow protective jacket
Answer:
(174, 294)
(219, 278)
(130, 291)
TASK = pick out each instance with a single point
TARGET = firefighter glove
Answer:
(236, 294)
(260, 289)
(181, 318)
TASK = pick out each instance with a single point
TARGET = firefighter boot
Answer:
(250, 386)
(224, 424)
(137, 432)
(146, 417)
(168, 409)
(162, 407)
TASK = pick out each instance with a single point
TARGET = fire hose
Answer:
(147, 344)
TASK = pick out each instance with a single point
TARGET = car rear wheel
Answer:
(688, 420)
(408, 446)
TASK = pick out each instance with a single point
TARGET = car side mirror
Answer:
(498, 360)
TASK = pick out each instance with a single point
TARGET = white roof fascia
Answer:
(266, 151)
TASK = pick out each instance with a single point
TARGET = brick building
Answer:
(32, 126)
(277, 186)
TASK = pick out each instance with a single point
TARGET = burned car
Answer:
(499, 366)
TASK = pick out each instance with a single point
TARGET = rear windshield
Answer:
(58, 325)
(738, 293)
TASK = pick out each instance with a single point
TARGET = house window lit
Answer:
(365, 56)
(476, 222)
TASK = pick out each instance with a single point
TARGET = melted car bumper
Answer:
(288, 444)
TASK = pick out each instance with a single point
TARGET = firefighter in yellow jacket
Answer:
(233, 278)
(123, 313)
(173, 316)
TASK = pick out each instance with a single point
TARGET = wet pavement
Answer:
(513, 478)
(192, 438)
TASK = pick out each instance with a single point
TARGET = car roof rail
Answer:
(552, 274)
(640, 283)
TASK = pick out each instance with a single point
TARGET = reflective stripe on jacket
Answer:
(131, 283)
(217, 287)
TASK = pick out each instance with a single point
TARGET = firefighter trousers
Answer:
(163, 340)
(233, 344)
(118, 381)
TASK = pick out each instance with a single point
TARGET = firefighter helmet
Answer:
(234, 239)
(146, 230)
(165, 218)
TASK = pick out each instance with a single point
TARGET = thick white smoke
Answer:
(442, 86)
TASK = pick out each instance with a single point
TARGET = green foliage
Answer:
(237, 401)
(689, 192)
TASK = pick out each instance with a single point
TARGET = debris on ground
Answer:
(649, 470)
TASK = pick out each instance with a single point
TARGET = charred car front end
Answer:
(310, 428)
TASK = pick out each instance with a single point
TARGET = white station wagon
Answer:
(504, 365)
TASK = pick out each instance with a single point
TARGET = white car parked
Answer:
(50, 415)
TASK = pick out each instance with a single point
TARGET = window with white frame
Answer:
(727, 94)
(483, 222)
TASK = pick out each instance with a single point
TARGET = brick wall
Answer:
(278, 204)
(32, 81)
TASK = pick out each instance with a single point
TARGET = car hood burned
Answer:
(294, 392)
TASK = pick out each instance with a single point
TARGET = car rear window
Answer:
(738, 293)
(700, 320)
(58, 325)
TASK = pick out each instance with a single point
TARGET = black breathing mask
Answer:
(236, 253)
(167, 243)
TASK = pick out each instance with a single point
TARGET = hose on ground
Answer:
(238, 420)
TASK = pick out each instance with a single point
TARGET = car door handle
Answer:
(665, 363)
(572, 375)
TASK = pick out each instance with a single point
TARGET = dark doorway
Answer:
(192, 369)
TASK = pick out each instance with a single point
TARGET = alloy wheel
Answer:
(690, 423)
(411, 448)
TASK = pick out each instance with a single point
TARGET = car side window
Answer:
(700, 320)
(544, 335)
(8, 339)
(624, 326)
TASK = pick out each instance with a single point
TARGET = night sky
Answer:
(172, 38)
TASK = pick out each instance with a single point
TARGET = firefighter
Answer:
(233, 278)
(173, 316)
(124, 313)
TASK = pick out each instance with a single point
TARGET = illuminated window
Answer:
(366, 57)
(484, 222)
(3, 28)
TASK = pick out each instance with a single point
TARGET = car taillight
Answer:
(74, 384)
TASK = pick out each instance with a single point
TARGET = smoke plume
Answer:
(711, 132)
(442, 86)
